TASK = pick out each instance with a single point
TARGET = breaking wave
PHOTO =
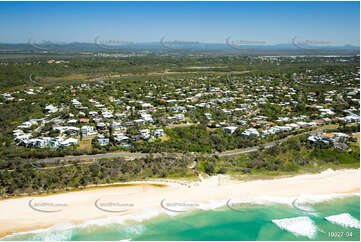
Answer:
(299, 226)
(345, 220)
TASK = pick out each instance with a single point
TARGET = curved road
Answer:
(143, 155)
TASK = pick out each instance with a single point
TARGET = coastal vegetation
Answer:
(291, 157)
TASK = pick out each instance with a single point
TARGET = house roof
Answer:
(328, 134)
(84, 120)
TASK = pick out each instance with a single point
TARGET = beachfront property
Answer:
(220, 107)
(337, 139)
(87, 130)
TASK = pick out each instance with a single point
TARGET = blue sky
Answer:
(271, 22)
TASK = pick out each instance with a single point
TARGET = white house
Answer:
(144, 133)
(88, 130)
(147, 118)
(230, 129)
(51, 109)
(93, 113)
(69, 142)
(72, 121)
(252, 132)
(103, 142)
(119, 138)
(159, 132)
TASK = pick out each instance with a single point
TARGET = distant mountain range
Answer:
(165, 47)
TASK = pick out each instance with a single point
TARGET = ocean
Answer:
(334, 219)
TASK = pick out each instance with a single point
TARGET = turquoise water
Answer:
(253, 222)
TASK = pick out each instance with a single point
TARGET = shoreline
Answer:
(212, 192)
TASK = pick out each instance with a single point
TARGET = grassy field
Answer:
(357, 136)
(85, 144)
(71, 77)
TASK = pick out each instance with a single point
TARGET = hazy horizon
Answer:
(329, 23)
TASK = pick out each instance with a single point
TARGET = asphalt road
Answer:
(143, 155)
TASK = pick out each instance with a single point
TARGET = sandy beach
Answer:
(31, 213)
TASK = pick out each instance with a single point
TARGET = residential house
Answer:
(251, 132)
(103, 141)
(88, 130)
(230, 129)
(159, 132)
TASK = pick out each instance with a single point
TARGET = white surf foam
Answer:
(61, 232)
(303, 226)
(323, 198)
(345, 220)
(263, 200)
(213, 204)
(134, 230)
(302, 201)
(144, 215)
(104, 221)
(58, 232)
(53, 236)
(138, 217)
